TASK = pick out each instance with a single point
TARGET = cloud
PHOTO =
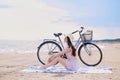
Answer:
(101, 32)
(33, 19)
(30, 19)
(5, 6)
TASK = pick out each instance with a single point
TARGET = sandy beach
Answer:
(12, 64)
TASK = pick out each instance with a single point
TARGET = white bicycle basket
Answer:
(88, 35)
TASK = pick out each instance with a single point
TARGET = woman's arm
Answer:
(67, 50)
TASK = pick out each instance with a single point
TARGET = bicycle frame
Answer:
(77, 44)
(79, 41)
(81, 45)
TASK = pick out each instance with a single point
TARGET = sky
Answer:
(39, 19)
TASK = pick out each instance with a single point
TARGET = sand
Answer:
(12, 64)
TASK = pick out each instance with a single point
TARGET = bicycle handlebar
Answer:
(74, 31)
(78, 30)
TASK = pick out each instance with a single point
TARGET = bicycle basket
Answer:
(87, 36)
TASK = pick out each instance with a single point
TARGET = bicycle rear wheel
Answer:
(90, 54)
(47, 49)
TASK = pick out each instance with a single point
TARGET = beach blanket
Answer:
(57, 69)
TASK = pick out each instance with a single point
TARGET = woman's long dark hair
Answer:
(71, 45)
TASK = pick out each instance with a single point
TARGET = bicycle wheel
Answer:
(90, 54)
(46, 49)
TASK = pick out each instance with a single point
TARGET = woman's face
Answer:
(65, 39)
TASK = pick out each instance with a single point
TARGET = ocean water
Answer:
(18, 46)
(28, 46)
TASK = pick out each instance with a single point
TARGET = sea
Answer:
(30, 46)
(18, 46)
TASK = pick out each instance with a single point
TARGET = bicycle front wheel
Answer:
(90, 54)
(47, 49)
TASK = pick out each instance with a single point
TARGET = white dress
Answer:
(71, 62)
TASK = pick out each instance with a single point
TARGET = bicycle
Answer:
(89, 53)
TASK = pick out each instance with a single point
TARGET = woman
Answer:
(70, 63)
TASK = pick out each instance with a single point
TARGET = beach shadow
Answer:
(61, 74)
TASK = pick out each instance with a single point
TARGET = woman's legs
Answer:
(56, 60)
(51, 59)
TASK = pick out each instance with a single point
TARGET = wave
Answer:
(108, 40)
(24, 46)
(18, 46)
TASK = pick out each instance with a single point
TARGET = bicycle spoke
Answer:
(46, 50)
(87, 49)
(90, 54)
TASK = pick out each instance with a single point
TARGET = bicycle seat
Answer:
(57, 34)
